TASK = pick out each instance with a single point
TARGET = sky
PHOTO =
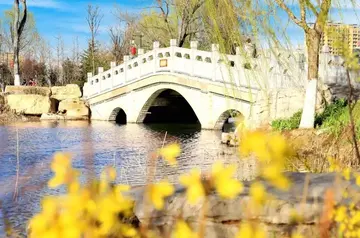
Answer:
(68, 18)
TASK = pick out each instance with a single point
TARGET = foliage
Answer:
(338, 118)
(102, 59)
(287, 124)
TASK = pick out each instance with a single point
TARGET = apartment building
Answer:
(340, 36)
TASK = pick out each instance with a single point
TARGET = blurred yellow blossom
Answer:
(334, 165)
(182, 230)
(193, 184)
(347, 173)
(158, 192)
(296, 235)
(108, 174)
(224, 183)
(248, 230)
(257, 193)
(170, 152)
(64, 173)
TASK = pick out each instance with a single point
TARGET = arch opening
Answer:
(168, 107)
(118, 115)
(228, 120)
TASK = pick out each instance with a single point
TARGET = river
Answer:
(94, 146)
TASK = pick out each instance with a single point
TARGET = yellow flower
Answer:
(246, 230)
(254, 142)
(278, 147)
(296, 235)
(158, 192)
(334, 165)
(273, 173)
(64, 174)
(257, 193)
(358, 180)
(182, 230)
(194, 187)
(170, 152)
(347, 174)
(340, 214)
(108, 174)
(225, 185)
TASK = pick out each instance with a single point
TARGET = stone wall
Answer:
(274, 104)
(276, 217)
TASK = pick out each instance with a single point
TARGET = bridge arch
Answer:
(118, 115)
(168, 105)
(231, 113)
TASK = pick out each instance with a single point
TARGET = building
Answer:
(336, 34)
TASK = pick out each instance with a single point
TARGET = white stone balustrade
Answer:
(267, 71)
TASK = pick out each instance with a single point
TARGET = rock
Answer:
(51, 116)
(74, 108)
(2, 100)
(69, 91)
(30, 104)
(25, 90)
(223, 216)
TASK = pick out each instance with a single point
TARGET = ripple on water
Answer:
(102, 144)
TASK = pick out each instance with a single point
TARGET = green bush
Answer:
(287, 124)
(331, 113)
(336, 117)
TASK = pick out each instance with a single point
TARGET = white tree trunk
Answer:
(308, 114)
(17, 80)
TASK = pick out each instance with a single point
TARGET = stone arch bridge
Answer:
(208, 85)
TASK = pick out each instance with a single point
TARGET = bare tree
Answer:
(17, 31)
(60, 58)
(116, 36)
(93, 19)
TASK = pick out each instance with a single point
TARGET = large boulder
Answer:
(74, 108)
(30, 104)
(28, 90)
(69, 91)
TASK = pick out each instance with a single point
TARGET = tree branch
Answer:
(23, 19)
(283, 6)
(312, 7)
(302, 11)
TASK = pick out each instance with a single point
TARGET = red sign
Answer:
(133, 50)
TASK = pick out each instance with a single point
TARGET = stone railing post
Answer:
(90, 86)
(173, 44)
(100, 71)
(156, 46)
(238, 65)
(193, 49)
(112, 66)
(126, 59)
(214, 59)
(140, 62)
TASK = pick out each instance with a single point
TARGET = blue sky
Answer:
(67, 17)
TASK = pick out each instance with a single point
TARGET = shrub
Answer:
(287, 124)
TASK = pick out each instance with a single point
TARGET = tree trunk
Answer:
(16, 43)
(313, 49)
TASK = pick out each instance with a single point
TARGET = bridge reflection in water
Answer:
(96, 145)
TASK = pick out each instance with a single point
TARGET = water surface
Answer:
(94, 146)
